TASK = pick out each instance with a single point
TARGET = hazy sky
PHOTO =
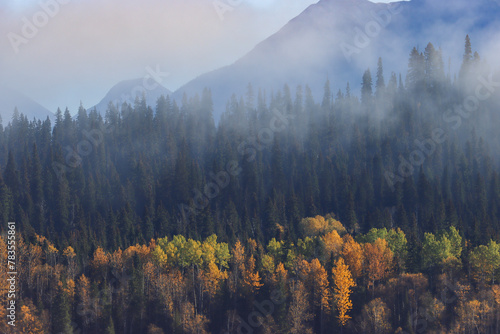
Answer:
(80, 48)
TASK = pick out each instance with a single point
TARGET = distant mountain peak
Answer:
(127, 91)
(312, 45)
(11, 100)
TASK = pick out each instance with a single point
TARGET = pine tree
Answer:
(366, 88)
(380, 84)
(327, 97)
(416, 72)
(467, 59)
(11, 175)
(61, 320)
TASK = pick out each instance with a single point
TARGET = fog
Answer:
(89, 46)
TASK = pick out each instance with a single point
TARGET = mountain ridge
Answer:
(11, 99)
(308, 49)
(127, 90)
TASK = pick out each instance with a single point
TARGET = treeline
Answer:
(326, 282)
(420, 155)
(415, 156)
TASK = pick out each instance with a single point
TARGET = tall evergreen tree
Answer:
(380, 84)
(61, 320)
(366, 88)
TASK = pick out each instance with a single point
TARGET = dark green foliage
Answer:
(61, 320)
(271, 160)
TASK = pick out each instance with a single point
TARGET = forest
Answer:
(370, 214)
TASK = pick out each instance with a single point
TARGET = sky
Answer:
(61, 52)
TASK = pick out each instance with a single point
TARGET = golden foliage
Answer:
(352, 252)
(251, 277)
(280, 275)
(475, 316)
(314, 226)
(116, 260)
(212, 279)
(100, 260)
(378, 261)
(84, 298)
(142, 251)
(239, 256)
(319, 279)
(159, 257)
(69, 252)
(344, 283)
(28, 322)
(332, 244)
(69, 290)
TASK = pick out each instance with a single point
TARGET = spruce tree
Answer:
(61, 320)
(366, 88)
(380, 84)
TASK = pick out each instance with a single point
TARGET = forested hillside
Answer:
(158, 217)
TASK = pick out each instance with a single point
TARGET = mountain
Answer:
(340, 39)
(11, 99)
(128, 90)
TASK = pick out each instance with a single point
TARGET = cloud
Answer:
(92, 44)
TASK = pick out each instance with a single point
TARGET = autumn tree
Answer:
(191, 321)
(29, 322)
(343, 284)
(318, 279)
(84, 300)
(332, 245)
(396, 240)
(314, 226)
(212, 278)
(446, 248)
(99, 263)
(375, 318)
(70, 255)
(298, 313)
(378, 261)
(353, 254)
(485, 262)
(251, 277)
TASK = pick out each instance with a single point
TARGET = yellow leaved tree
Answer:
(343, 281)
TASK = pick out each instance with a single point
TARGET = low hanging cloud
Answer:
(86, 46)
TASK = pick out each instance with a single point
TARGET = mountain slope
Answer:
(11, 99)
(339, 39)
(128, 90)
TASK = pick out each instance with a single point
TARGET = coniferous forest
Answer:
(377, 213)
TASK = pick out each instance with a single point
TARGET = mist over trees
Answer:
(403, 183)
